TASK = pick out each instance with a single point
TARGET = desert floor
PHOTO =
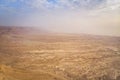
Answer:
(26, 54)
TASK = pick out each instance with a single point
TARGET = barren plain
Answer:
(29, 54)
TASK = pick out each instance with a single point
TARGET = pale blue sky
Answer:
(89, 16)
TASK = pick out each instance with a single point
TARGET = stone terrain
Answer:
(27, 54)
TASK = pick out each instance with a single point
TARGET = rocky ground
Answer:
(26, 55)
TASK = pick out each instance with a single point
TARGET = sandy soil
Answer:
(28, 55)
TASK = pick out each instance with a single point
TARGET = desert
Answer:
(27, 54)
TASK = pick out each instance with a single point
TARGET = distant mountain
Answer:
(21, 30)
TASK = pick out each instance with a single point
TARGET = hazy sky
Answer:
(74, 16)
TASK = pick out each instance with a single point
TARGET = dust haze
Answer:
(72, 22)
(59, 39)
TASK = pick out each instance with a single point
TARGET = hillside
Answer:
(32, 54)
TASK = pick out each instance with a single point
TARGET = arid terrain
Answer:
(30, 54)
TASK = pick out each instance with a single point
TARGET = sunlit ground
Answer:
(26, 54)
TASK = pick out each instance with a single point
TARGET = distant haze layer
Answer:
(101, 17)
